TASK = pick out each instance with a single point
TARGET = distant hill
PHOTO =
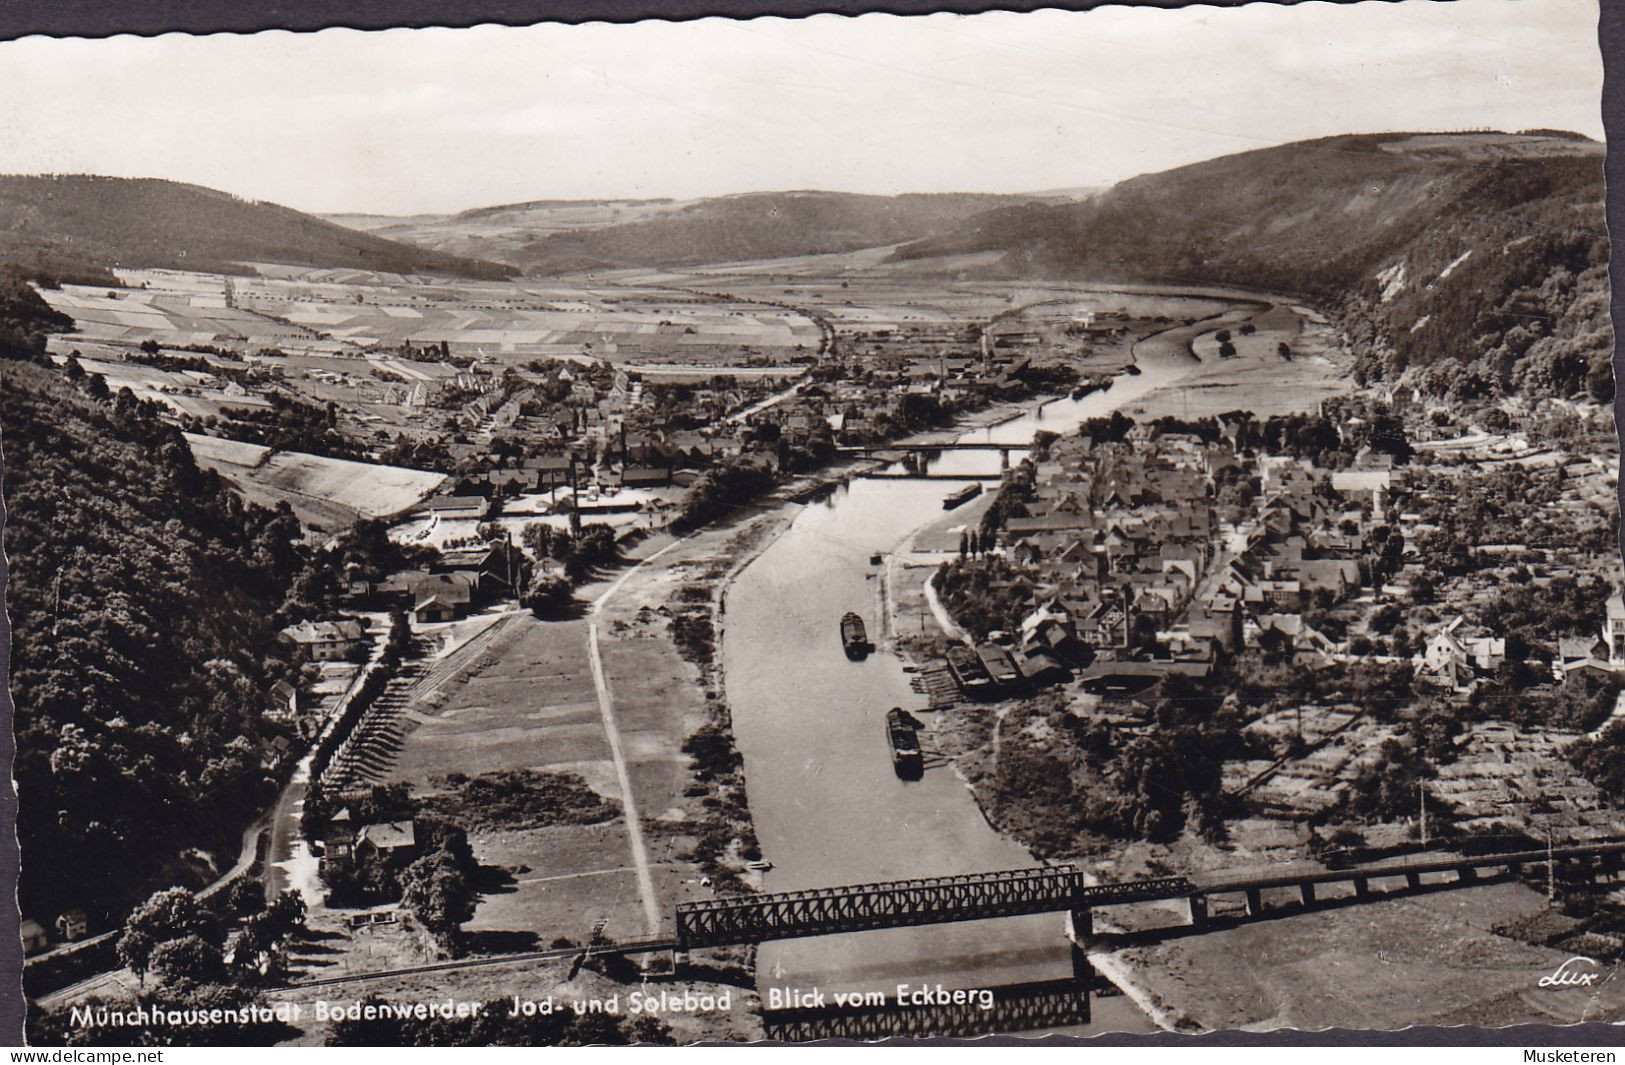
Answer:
(766, 225)
(503, 232)
(558, 237)
(61, 224)
(1485, 249)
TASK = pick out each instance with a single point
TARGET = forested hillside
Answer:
(49, 221)
(1477, 258)
(143, 598)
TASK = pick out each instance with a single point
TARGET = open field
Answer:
(536, 706)
(510, 320)
(310, 311)
(533, 703)
(212, 449)
(370, 489)
(182, 393)
(1429, 958)
(175, 309)
(530, 703)
(325, 492)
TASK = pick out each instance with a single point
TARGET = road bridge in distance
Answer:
(949, 445)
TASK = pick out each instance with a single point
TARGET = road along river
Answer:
(827, 806)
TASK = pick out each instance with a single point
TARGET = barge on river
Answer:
(1091, 385)
(854, 638)
(903, 730)
(959, 497)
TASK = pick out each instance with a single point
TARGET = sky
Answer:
(441, 120)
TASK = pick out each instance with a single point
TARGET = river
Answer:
(827, 806)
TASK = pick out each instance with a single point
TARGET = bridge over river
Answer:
(1029, 1005)
(1064, 888)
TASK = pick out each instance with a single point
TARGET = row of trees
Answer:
(184, 942)
(722, 488)
(190, 955)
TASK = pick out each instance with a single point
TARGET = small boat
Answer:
(854, 637)
(961, 496)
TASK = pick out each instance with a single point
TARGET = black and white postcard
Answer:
(1078, 522)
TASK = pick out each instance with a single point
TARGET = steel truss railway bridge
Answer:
(1064, 889)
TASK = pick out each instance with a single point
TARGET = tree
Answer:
(548, 591)
(257, 946)
(399, 640)
(1385, 619)
(543, 539)
(134, 950)
(287, 911)
(170, 914)
(189, 960)
(439, 895)
(1388, 790)
(1227, 350)
(246, 897)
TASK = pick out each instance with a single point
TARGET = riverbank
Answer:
(1258, 377)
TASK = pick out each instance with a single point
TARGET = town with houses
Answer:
(1156, 552)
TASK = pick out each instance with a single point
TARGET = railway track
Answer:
(646, 945)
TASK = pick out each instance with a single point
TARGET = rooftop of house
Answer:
(309, 632)
(388, 835)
